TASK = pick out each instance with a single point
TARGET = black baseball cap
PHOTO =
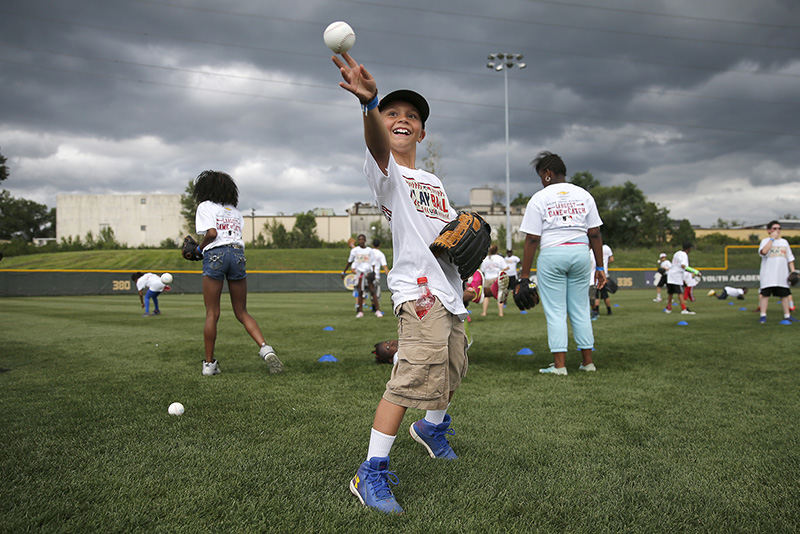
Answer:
(412, 97)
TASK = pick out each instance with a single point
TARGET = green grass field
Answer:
(329, 259)
(683, 428)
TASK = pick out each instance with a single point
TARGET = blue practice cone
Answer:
(328, 358)
(742, 309)
(785, 321)
(525, 351)
(523, 312)
(328, 329)
(683, 323)
(616, 305)
(730, 304)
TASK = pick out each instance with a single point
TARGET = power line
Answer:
(54, 20)
(293, 98)
(549, 23)
(664, 15)
(482, 73)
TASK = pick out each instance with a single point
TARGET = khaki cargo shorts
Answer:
(431, 358)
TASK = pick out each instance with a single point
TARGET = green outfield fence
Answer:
(30, 283)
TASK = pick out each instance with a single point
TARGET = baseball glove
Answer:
(189, 249)
(526, 295)
(465, 241)
(611, 285)
(794, 277)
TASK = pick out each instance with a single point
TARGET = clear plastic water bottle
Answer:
(425, 300)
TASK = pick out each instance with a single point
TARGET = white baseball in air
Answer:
(339, 37)
(176, 408)
(166, 278)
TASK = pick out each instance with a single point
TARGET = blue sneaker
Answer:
(371, 485)
(763, 319)
(432, 437)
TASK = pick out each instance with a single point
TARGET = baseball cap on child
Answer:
(412, 97)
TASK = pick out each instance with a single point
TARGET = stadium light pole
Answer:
(501, 61)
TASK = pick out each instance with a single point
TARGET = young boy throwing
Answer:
(432, 356)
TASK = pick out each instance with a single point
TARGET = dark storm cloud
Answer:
(140, 95)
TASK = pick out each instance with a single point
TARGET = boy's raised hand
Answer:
(356, 78)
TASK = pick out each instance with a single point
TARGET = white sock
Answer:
(435, 417)
(379, 444)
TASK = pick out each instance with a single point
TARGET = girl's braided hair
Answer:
(547, 161)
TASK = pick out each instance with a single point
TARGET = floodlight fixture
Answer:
(506, 62)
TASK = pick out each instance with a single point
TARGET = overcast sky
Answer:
(698, 103)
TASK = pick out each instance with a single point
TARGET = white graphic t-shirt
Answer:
(511, 265)
(775, 265)
(680, 260)
(378, 261)
(560, 213)
(150, 281)
(417, 208)
(666, 264)
(227, 220)
(734, 292)
(492, 265)
(361, 259)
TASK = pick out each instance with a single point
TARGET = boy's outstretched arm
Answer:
(360, 82)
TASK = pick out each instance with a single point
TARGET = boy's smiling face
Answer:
(404, 124)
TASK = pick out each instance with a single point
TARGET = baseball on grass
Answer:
(339, 37)
(166, 278)
(176, 408)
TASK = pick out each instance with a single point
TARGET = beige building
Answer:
(147, 220)
(330, 228)
(137, 220)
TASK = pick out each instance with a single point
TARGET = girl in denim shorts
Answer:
(220, 223)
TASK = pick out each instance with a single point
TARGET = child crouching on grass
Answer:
(432, 351)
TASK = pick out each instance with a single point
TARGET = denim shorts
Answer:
(224, 262)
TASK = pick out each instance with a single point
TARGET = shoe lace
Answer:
(379, 480)
(440, 436)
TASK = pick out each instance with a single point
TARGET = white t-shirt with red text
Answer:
(417, 208)
(226, 220)
(560, 213)
(361, 259)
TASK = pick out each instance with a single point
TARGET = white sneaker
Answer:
(502, 287)
(657, 299)
(667, 311)
(211, 368)
(359, 315)
(687, 311)
(268, 354)
(589, 367)
(378, 313)
(553, 370)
